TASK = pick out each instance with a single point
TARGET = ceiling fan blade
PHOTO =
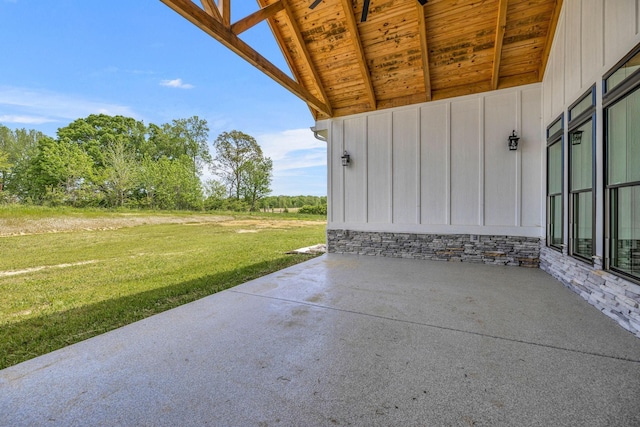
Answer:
(314, 4)
(365, 11)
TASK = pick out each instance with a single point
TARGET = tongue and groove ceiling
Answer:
(403, 53)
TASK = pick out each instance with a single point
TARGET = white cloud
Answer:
(177, 83)
(28, 120)
(43, 106)
(293, 149)
(298, 161)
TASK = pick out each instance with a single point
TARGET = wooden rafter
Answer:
(225, 11)
(208, 24)
(497, 51)
(302, 47)
(422, 23)
(211, 8)
(255, 18)
(550, 36)
(352, 26)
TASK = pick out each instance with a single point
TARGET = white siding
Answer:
(435, 183)
(441, 167)
(592, 36)
(355, 194)
(379, 163)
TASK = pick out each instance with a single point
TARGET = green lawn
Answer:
(57, 288)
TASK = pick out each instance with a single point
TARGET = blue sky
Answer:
(66, 59)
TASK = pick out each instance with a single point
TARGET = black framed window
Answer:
(621, 103)
(581, 172)
(554, 184)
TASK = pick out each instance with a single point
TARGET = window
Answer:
(622, 177)
(554, 184)
(581, 172)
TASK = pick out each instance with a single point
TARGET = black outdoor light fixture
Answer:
(513, 141)
(576, 137)
(346, 158)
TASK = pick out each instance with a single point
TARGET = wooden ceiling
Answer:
(404, 53)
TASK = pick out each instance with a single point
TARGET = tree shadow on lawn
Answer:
(33, 337)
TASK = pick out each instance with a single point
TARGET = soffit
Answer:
(403, 53)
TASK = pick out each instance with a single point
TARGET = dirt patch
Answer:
(266, 223)
(32, 269)
(22, 227)
(65, 224)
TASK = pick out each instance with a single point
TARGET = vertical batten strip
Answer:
(418, 165)
(365, 158)
(391, 121)
(448, 165)
(481, 150)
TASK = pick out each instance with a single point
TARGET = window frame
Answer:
(611, 97)
(575, 122)
(552, 139)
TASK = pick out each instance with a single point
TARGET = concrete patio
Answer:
(348, 340)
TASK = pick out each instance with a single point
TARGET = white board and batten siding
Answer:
(591, 37)
(441, 167)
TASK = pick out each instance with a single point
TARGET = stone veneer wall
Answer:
(617, 298)
(501, 250)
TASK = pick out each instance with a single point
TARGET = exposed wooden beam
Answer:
(298, 40)
(204, 21)
(287, 56)
(551, 34)
(352, 26)
(497, 50)
(225, 11)
(422, 24)
(211, 8)
(255, 18)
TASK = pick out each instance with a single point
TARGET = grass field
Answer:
(67, 275)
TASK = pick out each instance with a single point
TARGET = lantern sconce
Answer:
(576, 137)
(513, 141)
(346, 158)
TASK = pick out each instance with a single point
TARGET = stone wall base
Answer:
(500, 250)
(617, 298)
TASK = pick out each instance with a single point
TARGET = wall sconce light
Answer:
(576, 137)
(346, 158)
(513, 141)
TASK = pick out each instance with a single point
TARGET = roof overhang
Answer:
(403, 53)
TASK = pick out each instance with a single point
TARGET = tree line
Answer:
(116, 161)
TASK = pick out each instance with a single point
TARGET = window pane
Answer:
(623, 140)
(582, 106)
(554, 168)
(581, 156)
(625, 233)
(582, 224)
(555, 216)
(623, 72)
(555, 127)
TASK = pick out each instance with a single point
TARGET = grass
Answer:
(61, 288)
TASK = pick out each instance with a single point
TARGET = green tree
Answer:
(234, 151)
(192, 134)
(256, 179)
(97, 132)
(59, 167)
(120, 174)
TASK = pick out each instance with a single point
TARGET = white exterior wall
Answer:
(441, 167)
(591, 37)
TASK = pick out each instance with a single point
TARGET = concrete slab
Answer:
(347, 340)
